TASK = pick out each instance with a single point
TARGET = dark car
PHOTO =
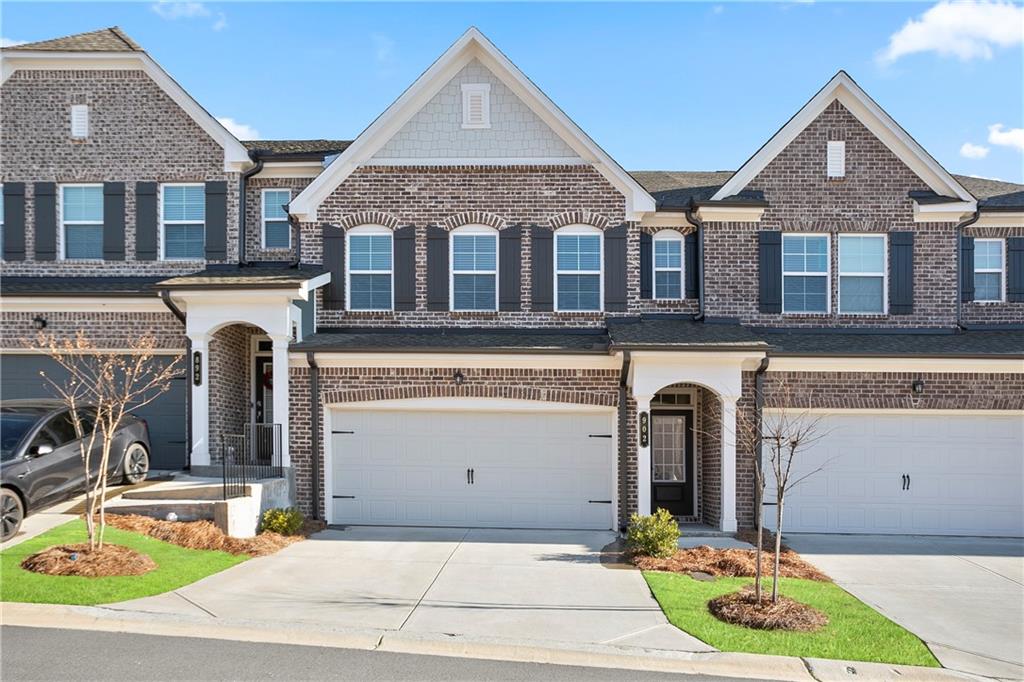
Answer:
(41, 462)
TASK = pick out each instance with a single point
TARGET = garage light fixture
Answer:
(459, 377)
(917, 386)
(39, 322)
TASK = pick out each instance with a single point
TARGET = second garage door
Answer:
(472, 468)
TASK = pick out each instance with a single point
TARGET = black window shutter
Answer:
(901, 273)
(646, 265)
(334, 262)
(967, 269)
(437, 268)
(542, 268)
(1015, 269)
(405, 268)
(217, 220)
(510, 268)
(45, 205)
(145, 221)
(770, 271)
(113, 221)
(615, 240)
(14, 221)
(691, 253)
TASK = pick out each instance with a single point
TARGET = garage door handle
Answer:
(908, 481)
(344, 497)
(599, 501)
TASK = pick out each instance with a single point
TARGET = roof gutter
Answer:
(165, 296)
(314, 401)
(691, 216)
(959, 265)
(243, 182)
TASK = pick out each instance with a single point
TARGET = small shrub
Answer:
(283, 521)
(656, 535)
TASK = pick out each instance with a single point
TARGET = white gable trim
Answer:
(235, 155)
(472, 45)
(874, 118)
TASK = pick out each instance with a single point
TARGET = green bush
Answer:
(656, 535)
(284, 521)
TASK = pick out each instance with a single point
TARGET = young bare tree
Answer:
(100, 389)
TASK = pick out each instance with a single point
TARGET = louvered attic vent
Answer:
(476, 105)
(79, 120)
(836, 159)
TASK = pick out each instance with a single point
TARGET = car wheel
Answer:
(136, 463)
(11, 513)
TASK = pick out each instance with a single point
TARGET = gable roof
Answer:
(472, 44)
(843, 88)
(295, 150)
(111, 39)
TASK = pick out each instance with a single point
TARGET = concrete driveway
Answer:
(524, 585)
(963, 596)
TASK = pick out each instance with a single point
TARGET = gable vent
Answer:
(476, 105)
(836, 159)
(80, 120)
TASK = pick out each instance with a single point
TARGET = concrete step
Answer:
(185, 510)
(199, 492)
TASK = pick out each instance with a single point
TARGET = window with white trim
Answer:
(79, 121)
(805, 273)
(476, 105)
(668, 265)
(578, 269)
(277, 232)
(474, 265)
(862, 274)
(988, 270)
(81, 220)
(369, 253)
(183, 221)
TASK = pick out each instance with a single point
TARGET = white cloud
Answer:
(169, 10)
(243, 131)
(383, 48)
(1011, 137)
(718, 9)
(10, 42)
(221, 23)
(973, 151)
(966, 30)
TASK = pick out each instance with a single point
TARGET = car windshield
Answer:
(13, 427)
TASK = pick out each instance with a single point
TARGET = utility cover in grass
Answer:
(175, 567)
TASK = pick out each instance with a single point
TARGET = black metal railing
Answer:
(250, 456)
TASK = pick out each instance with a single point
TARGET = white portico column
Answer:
(643, 457)
(200, 398)
(281, 392)
(728, 515)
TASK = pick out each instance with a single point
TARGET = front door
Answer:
(672, 474)
(264, 393)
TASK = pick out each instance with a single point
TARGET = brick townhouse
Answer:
(471, 315)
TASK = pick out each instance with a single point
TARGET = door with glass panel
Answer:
(672, 472)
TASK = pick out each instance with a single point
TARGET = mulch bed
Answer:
(740, 608)
(110, 560)
(735, 563)
(205, 535)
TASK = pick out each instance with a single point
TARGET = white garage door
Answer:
(457, 468)
(928, 474)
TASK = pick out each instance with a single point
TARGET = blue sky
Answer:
(692, 86)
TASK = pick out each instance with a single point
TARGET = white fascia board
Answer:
(665, 219)
(461, 360)
(72, 304)
(730, 214)
(290, 169)
(311, 285)
(471, 405)
(874, 118)
(479, 161)
(951, 212)
(900, 364)
(96, 351)
(236, 157)
(1000, 219)
(472, 44)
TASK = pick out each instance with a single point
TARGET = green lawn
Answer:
(176, 567)
(855, 632)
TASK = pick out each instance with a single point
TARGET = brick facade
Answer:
(230, 383)
(104, 330)
(254, 250)
(975, 313)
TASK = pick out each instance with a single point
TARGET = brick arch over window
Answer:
(549, 395)
(579, 218)
(369, 218)
(474, 218)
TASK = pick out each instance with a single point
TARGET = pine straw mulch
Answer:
(110, 560)
(739, 608)
(734, 563)
(205, 535)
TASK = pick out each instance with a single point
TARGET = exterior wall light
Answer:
(39, 322)
(917, 386)
(459, 377)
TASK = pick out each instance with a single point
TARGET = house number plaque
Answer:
(645, 429)
(197, 368)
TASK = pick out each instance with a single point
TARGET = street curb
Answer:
(737, 665)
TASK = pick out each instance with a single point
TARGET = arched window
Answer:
(474, 268)
(369, 254)
(668, 266)
(579, 263)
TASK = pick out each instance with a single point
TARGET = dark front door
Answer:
(672, 474)
(264, 390)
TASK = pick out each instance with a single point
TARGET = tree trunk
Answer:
(759, 507)
(778, 549)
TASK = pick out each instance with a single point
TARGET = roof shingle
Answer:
(111, 39)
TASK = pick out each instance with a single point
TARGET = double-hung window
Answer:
(183, 221)
(805, 273)
(474, 261)
(668, 265)
(81, 216)
(578, 275)
(369, 268)
(862, 274)
(988, 269)
(276, 230)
